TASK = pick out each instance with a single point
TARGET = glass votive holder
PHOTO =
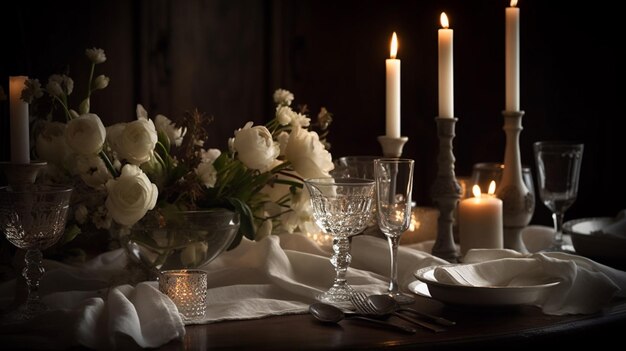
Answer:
(188, 289)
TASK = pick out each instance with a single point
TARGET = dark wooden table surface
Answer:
(518, 327)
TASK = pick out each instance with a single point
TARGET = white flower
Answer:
(255, 147)
(301, 214)
(130, 196)
(264, 230)
(307, 154)
(32, 90)
(283, 139)
(101, 82)
(205, 170)
(101, 218)
(194, 253)
(81, 213)
(50, 143)
(285, 115)
(92, 170)
(95, 55)
(165, 125)
(85, 134)
(59, 85)
(134, 141)
(283, 97)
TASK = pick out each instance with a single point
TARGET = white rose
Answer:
(307, 154)
(165, 125)
(283, 139)
(284, 115)
(92, 170)
(135, 141)
(130, 196)
(85, 134)
(50, 144)
(255, 147)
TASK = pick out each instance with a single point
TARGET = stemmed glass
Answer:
(33, 219)
(394, 185)
(558, 171)
(341, 207)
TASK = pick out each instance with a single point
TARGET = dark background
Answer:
(227, 57)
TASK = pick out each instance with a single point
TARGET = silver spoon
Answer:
(331, 314)
(386, 303)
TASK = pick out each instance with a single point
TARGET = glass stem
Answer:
(33, 271)
(393, 277)
(341, 259)
(557, 217)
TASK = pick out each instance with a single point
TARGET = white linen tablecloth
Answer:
(94, 307)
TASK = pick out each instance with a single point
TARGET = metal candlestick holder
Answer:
(445, 191)
(20, 175)
(392, 147)
(518, 203)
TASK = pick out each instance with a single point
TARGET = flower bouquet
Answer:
(163, 167)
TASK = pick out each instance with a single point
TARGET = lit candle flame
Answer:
(394, 46)
(492, 188)
(444, 20)
(513, 3)
(476, 191)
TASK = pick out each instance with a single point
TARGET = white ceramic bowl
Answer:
(604, 248)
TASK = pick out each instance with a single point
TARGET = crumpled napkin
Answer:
(281, 274)
(585, 286)
(85, 310)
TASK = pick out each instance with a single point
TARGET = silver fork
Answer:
(364, 306)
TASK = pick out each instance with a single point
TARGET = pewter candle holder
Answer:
(392, 147)
(518, 202)
(445, 191)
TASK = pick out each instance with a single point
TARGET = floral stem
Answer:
(108, 164)
(68, 115)
(93, 66)
(291, 175)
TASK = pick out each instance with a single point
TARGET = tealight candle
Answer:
(188, 289)
(480, 221)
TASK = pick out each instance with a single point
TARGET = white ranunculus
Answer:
(283, 97)
(81, 213)
(95, 55)
(50, 144)
(255, 147)
(130, 196)
(194, 254)
(101, 218)
(264, 230)
(301, 214)
(307, 154)
(85, 134)
(59, 85)
(165, 125)
(284, 115)
(134, 141)
(92, 170)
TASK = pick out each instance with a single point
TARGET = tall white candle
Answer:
(393, 91)
(480, 222)
(512, 57)
(20, 140)
(446, 75)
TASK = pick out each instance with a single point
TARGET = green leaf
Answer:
(70, 234)
(246, 220)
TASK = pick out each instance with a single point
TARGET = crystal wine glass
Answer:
(33, 219)
(341, 207)
(558, 171)
(394, 185)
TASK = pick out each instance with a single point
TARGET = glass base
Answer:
(23, 313)
(338, 295)
(401, 298)
(565, 246)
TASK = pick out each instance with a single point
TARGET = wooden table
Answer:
(494, 328)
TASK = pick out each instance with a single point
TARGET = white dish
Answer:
(476, 295)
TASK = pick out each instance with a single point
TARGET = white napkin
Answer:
(585, 286)
(281, 274)
(85, 311)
